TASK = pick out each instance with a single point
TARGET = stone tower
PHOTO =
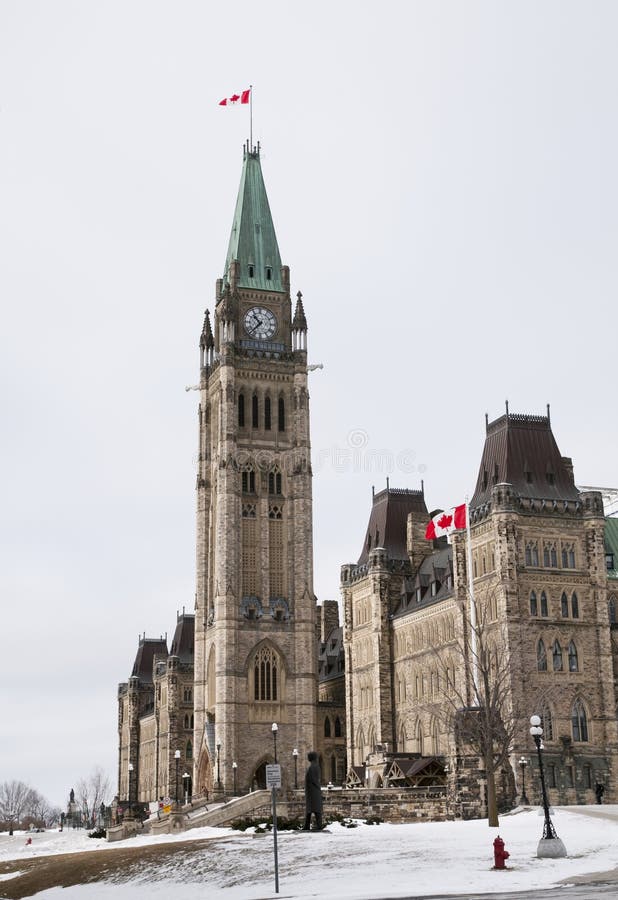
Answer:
(255, 626)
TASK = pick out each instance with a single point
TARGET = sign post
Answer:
(273, 781)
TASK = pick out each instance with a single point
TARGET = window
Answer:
(187, 695)
(241, 410)
(541, 657)
(528, 556)
(186, 720)
(327, 727)
(192, 722)
(267, 413)
(485, 478)
(554, 558)
(255, 412)
(534, 611)
(265, 675)
(535, 555)
(547, 724)
(574, 606)
(570, 776)
(251, 271)
(274, 482)
(269, 273)
(248, 481)
(557, 656)
(544, 612)
(189, 750)
(572, 651)
(565, 558)
(611, 610)
(609, 561)
(579, 722)
(571, 559)
(587, 775)
(564, 606)
(333, 769)
(496, 473)
(337, 727)
(546, 556)
(281, 414)
(550, 478)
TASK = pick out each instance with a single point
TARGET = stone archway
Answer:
(258, 782)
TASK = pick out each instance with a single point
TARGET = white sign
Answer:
(273, 776)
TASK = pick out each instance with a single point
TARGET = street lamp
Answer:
(295, 755)
(177, 758)
(523, 762)
(130, 793)
(185, 781)
(275, 729)
(234, 767)
(550, 844)
(219, 766)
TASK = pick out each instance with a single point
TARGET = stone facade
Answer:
(540, 582)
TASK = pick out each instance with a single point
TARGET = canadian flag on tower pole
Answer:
(445, 522)
(236, 99)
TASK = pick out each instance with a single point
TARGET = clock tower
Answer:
(255, 614)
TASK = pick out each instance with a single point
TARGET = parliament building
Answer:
(381, 695)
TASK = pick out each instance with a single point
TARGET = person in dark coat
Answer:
(313, 792)
(599, 790)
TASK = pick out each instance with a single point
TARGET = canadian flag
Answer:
(445, 522)
(235, 99)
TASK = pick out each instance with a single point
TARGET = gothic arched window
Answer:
(557, 656)
(281, 414)
(534, 610)
(186, 720)
(255, 412)
(241, 410)
(327, 727)
(267, 413)
(541, 657)
(337, 727)
(572, 651)
(611, 610)
(574, 606)
(547, 724)
(248, 481)
(564, 606)
(266, 675)
(189, 750)
(544, 612)
(579, 722)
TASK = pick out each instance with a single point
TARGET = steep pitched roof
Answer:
(388, 521)
(142, 667)
(253, 241)
(611, 545)
(521, 450)
(184, 636)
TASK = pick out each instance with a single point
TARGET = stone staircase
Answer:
(258, 803)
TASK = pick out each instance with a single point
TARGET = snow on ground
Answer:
(363, 863)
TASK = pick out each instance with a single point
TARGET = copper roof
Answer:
(388, 521)
(521, 450)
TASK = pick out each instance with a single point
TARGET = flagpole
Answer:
(250, 117)
(473, 636)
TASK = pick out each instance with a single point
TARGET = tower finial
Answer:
(548, 415)
(486, 422)
(506, 403)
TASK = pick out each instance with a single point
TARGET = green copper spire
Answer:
(253, 242)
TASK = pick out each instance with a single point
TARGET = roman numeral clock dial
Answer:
(260, 323)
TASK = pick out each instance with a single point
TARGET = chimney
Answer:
(329, 618)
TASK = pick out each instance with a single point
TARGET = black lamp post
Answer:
(275, 729)
(130, 767)
(523, 762)
(219, 766)
(177, 758)
(185, 783)
(556, 848)
(234, 767)
(295, 755)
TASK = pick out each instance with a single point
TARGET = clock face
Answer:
(260, 323)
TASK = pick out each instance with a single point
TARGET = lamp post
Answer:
(275, 729)
(523, 762)
(550, 844)
(219, 766)
(130, 767)
(177, 758)
(185, 782)
(295, 755)
(234, 767)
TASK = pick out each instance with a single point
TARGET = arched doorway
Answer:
(258, 782)
(204, 776)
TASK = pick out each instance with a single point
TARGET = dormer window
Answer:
(269, 273)
(251, 270)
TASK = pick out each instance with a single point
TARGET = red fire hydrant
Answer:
(500, 854)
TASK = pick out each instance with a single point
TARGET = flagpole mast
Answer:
(250, 117)
(473, 634)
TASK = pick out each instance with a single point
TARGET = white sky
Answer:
(417, 860)
(442, 177)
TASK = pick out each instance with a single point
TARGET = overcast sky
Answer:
(442, 178)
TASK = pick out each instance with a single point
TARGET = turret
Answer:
(207, 343)
(299, 325)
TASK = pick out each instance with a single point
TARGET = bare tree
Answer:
(15, 796)
(479, 705)
(91, 792)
